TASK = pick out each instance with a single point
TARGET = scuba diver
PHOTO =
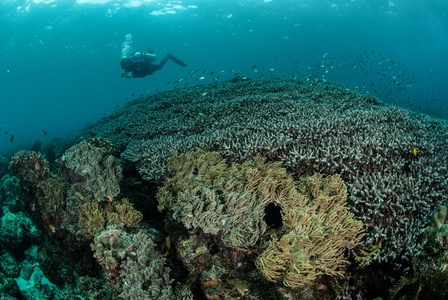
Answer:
(140, 64)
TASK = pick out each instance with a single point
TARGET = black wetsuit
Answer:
(141, 67)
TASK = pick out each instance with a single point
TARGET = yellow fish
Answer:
(415, 151)
(52, 228)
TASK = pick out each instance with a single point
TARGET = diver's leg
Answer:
(153, 68)
(163, 62)
(177, 61)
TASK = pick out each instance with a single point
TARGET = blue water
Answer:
(59, 60)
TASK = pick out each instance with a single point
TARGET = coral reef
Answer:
(320, 192)
(30, 268)
(87, 173)
(230, 202)
(310, 126)
(17, 231)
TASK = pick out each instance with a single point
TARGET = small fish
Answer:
(271, 69)
(253, 67)
(43, 132)
(204, 93)
(415, 151)
(11, 138)
(36, 166)
(200, 78)
(232, 70)
(52, 228)
(33, 206)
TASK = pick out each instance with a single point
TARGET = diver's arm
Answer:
(127, 75)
